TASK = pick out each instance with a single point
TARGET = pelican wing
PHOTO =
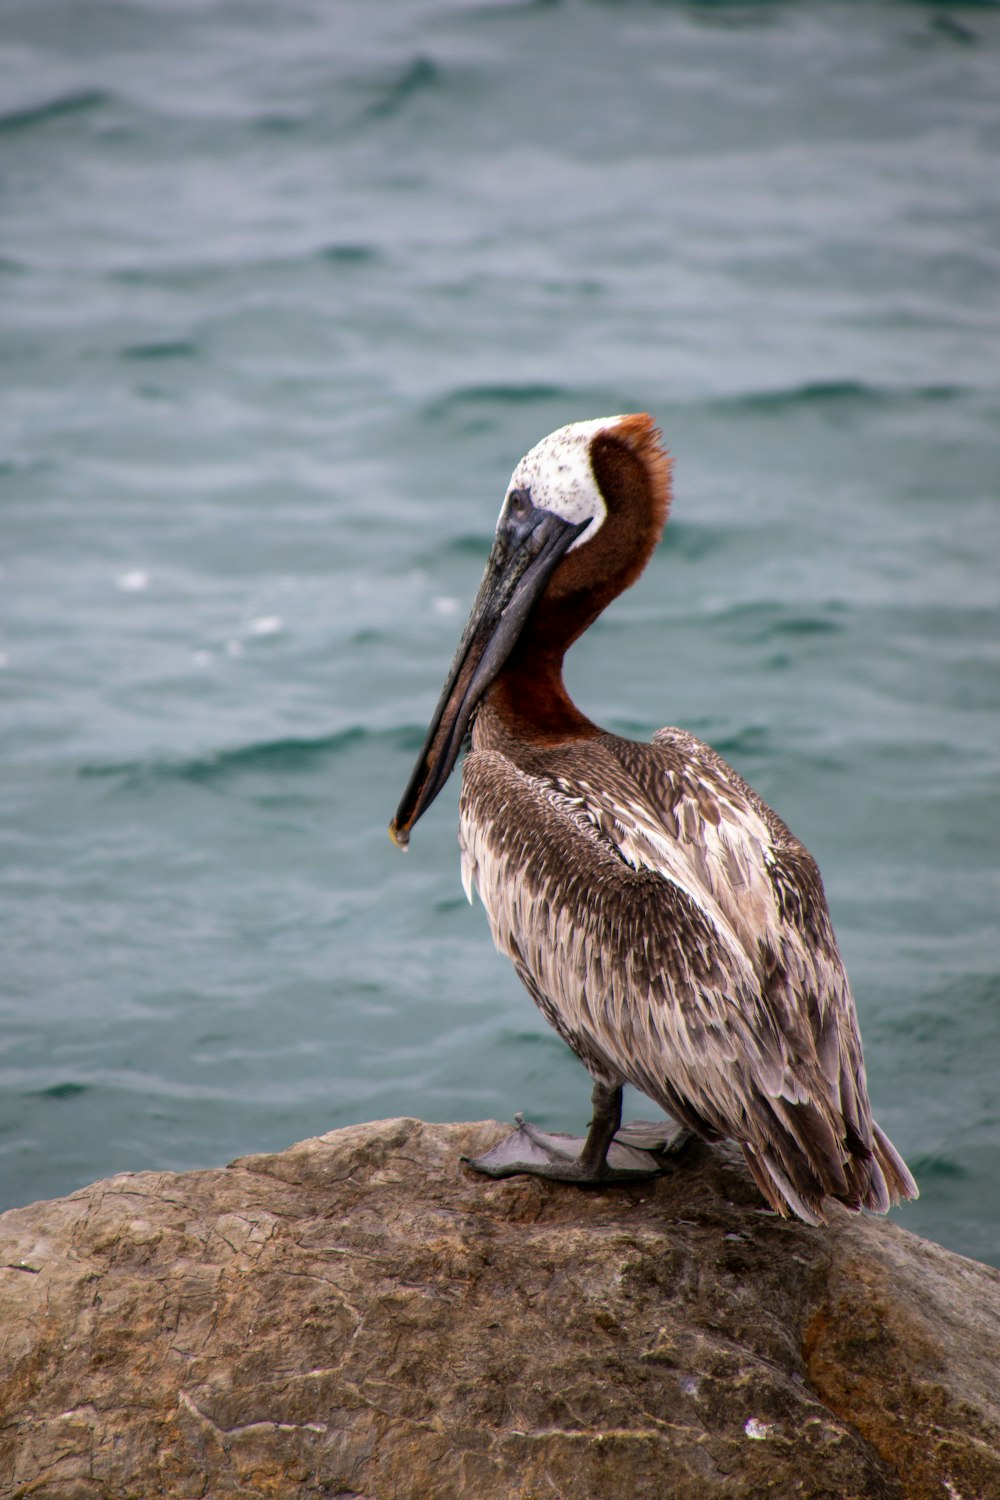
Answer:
(677, 936)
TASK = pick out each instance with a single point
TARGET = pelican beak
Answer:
(529, 543)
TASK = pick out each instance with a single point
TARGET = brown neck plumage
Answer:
(530, 699)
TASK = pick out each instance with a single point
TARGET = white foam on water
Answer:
(266, 625)
(132, 581)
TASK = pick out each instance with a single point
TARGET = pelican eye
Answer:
(520, 503)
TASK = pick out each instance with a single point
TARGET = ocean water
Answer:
(285, 293)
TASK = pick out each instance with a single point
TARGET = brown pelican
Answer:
(661, 915)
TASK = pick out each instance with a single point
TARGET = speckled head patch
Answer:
(557, 474)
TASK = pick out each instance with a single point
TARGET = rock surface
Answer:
(362, 1316)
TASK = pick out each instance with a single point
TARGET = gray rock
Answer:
(362, 1316)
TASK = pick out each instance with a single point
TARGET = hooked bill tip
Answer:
(400, 836)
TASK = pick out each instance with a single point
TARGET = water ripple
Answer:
(28, 117)
(275, 756)
(835, 393)
(418, 76)
(165, 349)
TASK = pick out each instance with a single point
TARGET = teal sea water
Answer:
(286, 290)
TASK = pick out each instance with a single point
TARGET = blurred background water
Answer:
(286, 291)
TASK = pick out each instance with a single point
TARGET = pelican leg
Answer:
(596, 1161)
(604, 1122)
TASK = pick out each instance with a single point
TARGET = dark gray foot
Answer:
(556, 1156)
(563, 1158)
(662, 1137)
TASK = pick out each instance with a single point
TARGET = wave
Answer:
(467, 402)
(273, 756)
(59, 1091)
(939, 1167)
(84, 101)
(443, 407)
(349, 255)
(761, 620)
(415, 78)
(829, 393)
(164, 349)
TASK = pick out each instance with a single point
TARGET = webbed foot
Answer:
(564, 1158)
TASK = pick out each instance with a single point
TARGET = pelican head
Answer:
(583, 511)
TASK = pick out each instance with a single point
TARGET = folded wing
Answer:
(676, 934)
